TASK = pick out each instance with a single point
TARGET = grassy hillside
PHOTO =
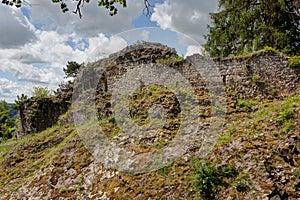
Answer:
(257, 157)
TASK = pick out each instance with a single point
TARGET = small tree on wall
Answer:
(72, 69)
(41, 93)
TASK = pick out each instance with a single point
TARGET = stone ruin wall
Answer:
(262, 75)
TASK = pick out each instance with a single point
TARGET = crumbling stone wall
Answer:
(36, 115)
(263, 74)
(260, 75)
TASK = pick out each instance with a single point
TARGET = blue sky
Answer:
(37, 41)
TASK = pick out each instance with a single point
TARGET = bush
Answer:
(294, 62)
(41, 93)
(284, 116)
(208, 178)
(242, 183)
(168, 60)
(246, 103)
(20, 100)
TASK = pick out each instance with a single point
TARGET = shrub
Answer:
(41, 93)
(294, 62)
(284, 116)
(170, 59)
(209, 178)
(246, 103)
(242, 183)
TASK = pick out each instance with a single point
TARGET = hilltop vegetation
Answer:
(257, 156)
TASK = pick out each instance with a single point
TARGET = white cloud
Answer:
(191, 50)
(34, 50)
(50, 54)
(163, 15)
(95, 19)
(145, 34)
(189, 17)
(15, 30)
(102, 46)
(9, 90)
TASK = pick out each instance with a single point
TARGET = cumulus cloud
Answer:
(145, 35)
(9, 90)
(35, 45)
(95, 19)
(189, 17)
(191, 50)
(15, 30)
(102, 46)
(42, 61)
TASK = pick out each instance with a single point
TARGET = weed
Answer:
(273, 92)
(288, 127)
(284, 116)
(209, 178)
(111, 119)
(165, 170)
(297, 173)
(267, 48)
(246, 103)
(256, 78)
(242, 183)
(294, 62)
(224, 138)
(170, 59)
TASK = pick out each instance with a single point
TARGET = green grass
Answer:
(256, 78)
(243, 183)
(278, 111)
(271, 49)
(170, 60)
(209, 178)
(294, 62)
(30, 154)
(297, 173)
(6, 147)
(225, 138)
(245, 103)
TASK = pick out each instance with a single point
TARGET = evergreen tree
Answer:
(20, 100)
(72, 69)
(249, 25)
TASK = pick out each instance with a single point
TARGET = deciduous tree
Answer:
(110, 5)
(249, 25)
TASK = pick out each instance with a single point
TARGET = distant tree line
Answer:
(7, 122)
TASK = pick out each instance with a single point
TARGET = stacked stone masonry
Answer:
(261, 75)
